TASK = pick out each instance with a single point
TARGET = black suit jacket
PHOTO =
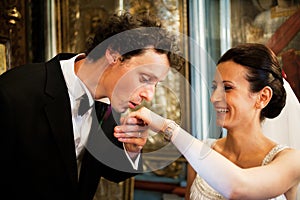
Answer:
(37, 143)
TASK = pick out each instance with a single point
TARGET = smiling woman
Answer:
(231, 96)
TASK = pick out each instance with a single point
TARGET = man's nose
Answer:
(147, 92)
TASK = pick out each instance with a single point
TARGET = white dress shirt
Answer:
(81, 124)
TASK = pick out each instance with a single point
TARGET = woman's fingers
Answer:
(132, 120)
(130, 128)
(140, 134)
(152, 119)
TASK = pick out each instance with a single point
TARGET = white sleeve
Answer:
(210, 165)
(134, 163)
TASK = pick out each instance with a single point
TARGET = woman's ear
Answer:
(111, 56)
(264, 97)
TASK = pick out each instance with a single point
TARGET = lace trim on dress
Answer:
(270, 156)
(201, 190)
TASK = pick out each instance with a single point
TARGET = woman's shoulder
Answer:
(291, 152)
(273, 153)
(288, 159)
(287, 155)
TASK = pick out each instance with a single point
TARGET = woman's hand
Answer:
(133, 133)
(148, 118)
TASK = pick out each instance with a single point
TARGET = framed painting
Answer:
(275, 24)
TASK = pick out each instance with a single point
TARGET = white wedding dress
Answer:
(200, 190)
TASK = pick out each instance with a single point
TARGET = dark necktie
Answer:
(103, 110)
(84, 105)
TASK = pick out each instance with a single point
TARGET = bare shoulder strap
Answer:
(270, 156)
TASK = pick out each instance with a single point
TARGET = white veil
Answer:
(285, 129)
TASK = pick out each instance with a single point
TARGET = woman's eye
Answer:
(226, 88)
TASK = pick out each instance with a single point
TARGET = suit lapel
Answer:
(58, 110)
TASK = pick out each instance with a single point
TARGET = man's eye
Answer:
(145, 79)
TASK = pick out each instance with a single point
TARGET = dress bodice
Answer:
(200, 190)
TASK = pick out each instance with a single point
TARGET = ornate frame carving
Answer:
(13, 32)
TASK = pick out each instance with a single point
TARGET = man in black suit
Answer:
(51, 143)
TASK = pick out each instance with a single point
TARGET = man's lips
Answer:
(132, 105)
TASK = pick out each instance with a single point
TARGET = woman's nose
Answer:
(217, 95)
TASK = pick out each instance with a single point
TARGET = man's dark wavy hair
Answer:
(130, 35)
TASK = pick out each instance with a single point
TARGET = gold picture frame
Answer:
(4, 55)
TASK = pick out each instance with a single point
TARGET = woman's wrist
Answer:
(169, 128)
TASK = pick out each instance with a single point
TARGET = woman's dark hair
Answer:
(130, 35)
(263, 70)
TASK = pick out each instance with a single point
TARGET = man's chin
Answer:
(122, 110)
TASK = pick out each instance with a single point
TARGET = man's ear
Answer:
(264, 97)
(111, 56)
